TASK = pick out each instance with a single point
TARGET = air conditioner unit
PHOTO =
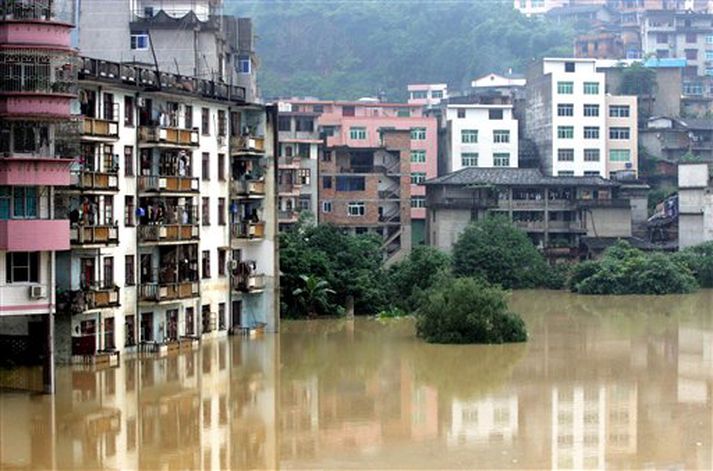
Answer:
(221, 140)
(234, 264)
(140, 102)
(37, 292)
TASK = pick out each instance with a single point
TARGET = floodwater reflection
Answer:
(619, 382)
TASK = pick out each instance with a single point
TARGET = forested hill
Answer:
(343, 49)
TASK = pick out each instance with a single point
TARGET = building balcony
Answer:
(36, 105)
(99, 296)
(464, 203)
(603, 203)
(249, 283)
(168, 184)
(248, 188)
(289, 188)
(158, 292)
(288, 216)
(248, 230)
(171, 137)
(245, 145)
(289, 163)
(95, 129)
(34, 171)
(95, 181)
(168, 233)
(34, 235)
(35, 32)
(106, 234)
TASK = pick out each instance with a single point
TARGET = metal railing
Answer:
(248, 230)
(168, 183)
(168, 135)
(81, 234)
(168, 291)
(95, 127)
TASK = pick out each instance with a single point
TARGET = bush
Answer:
(626, 270)
(699, 260)
(466, 310)
(500, 253)
(556, 277)
(416, 273)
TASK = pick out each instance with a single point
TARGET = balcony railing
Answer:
(168, 184)
(157, 292)
(604, 203)
(171, 136)
(248, 230)
(247, 144)
(98, 181)
(100, 234)
(248, 187)
(288, 215)
(250, 283)
(288, 188)
(99, 296)
(168, 233)
(100, 128)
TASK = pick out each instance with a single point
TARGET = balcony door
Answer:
(108, 272)
(146, 264)
(87, 272)
(172, 324)
(236, 314)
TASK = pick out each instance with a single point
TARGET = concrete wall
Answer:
(444, 226)
(608, 222)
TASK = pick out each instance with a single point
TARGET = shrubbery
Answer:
(466, 310)
(699, 260)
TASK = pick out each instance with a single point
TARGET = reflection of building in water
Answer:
(206, 409)
(299, 418)
(578, 427)
(621, 419)
(493, 418)
(695, 365)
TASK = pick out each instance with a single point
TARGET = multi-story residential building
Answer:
(186, 37)
(37, 145)
(479, 135)
(671, 138)
(560, 214)
(695, 204)
(428, 95)
(298, 152)
(537, 7)
(578, 128)
(502, 82)
(172, 211)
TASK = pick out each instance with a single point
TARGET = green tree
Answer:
(699, 260)
(640, 81)
(416, 273)
(313, 295)
(500, 253)
(467, 310)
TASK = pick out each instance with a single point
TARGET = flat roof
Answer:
(514, 177)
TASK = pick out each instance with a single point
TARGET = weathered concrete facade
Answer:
(695, 203)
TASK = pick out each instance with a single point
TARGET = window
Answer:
(140, 41)
(591, 155)
(437, 93)
(565, 173)
(128, 110)
(619, 155)
(565, 132)
(205, 166)
(565, 155)
(565, 109)
(691, 54)
(222, 254)
(348, 111)
(349, 183)
(24, 202)
(709, 39)
(205, 210)
(356, 208)
(304, 176)
(221, 326)
(619, 111)
(418, 201)
(129, 161)
(495, 114)
(22, 267)
(326, 183)
(661, 38)
(419, 95)
(244, 64)
(501, 159)
(569, 66)
(418, 134)
(206, 263)
(469, 159)
(304, 125)
(221, 211)
(418, 156)
(326, 206)
(469, 136)
(591, 173)
(222, 123)
(591, 88)
(129, 209)
(357, 133)
(565, 88)
(461, 113)
(205, 121)
(188, 117)
(691, 37)
(591, 132)
(221, 167)
(284, 123)
(129, 271)
(501, 136)
(591, 110)
(417, 178)
(619, 133)
(662, 53)
(692, 88)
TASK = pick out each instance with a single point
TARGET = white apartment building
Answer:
(427, 94)
(480, 135)
(575, 124)
(172, 216)
(537, 7)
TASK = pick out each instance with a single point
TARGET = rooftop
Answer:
(514, 177)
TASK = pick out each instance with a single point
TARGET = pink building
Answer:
(37, 87)
(359, 124)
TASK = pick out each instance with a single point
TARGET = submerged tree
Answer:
(313, 295)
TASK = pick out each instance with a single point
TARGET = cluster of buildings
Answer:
(137, 186)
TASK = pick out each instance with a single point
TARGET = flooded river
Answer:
(603, 382)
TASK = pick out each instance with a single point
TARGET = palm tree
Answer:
(314, 294)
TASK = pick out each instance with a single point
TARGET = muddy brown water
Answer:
(604, 382)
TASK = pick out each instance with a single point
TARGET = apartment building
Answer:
(172, 213)
(695, 204)
(213, 46)
(37, 146)
(579, 129)
(537, 7)
(298, 151)
(559, 214)
(427, 94)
